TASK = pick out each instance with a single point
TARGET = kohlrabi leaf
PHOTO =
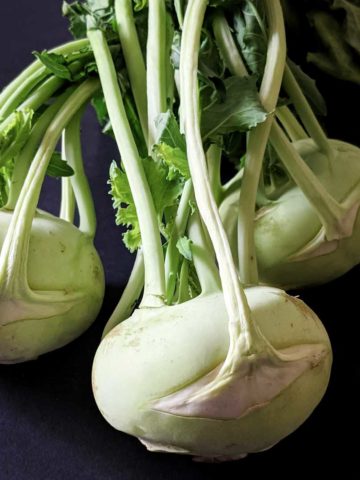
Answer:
(210, 62)
(171, 147)
(55, 63)
(15, 134)
(336, 24)
(140, 4)
(240, 111)
(184, 247)
(76, 15)
(168, 131)
(351, 24)
(175, 158)
(123, 203)
(337, 58)
(58, 167)
(101, 13)
(98, 102)
(251, 35)
(5, 182)
(165, 193)
(309, 88)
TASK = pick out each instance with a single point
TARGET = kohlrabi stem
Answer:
(292, 127)
(154, 288)
(20, 95)
(156, 65)
(182, 295)
(14, 252)
(213, 156)
(79, 182)
(172, 255)
(179, 8)
(305, 112)
(67, 199)
(37, 66)
(331, 213)
(45, 91)
(241, 327)
(227, 46)
(203, 257)
(234, 62)
(67, 204)
(133, 57)
(257, 141)
(25, 157)
(129, 296)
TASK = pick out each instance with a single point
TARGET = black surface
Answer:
(50, 427)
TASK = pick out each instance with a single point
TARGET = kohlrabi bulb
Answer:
(66, 281)
(151, 371)
(285, 228)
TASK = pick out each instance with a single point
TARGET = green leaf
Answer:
(165, 193)
(210, 62)
(99, 104)
(184, 247)
(58, 167)
(174, 158)
(309, 88)
(351, 24)
(241, 110)
(140, 4)
(14, 134)
(99, 13)
(336, 58)
(76, 15)
(55, 63)
(251, 35)
(171, 146)
(5, 182)
(168, 131)
(123, 203)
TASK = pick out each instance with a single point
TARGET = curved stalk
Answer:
(333, 216)
(257, 141)
(20, 95)
(292, 127)
(14, 252)
(67, 202)
(129, 296)
(172, 253)
(213, 156)
(133, 58)
(154, 289)
(305, 112)
(204, 260)
(79, 183)
(183, 294)
(156, 65)
(241, 328)
(24, 159)
(37, 67)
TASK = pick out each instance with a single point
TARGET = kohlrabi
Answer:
(51, 277)
(225, 372)
(306, 233)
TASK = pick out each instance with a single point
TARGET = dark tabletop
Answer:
(50, 427)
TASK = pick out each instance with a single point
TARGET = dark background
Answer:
(50, 427)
